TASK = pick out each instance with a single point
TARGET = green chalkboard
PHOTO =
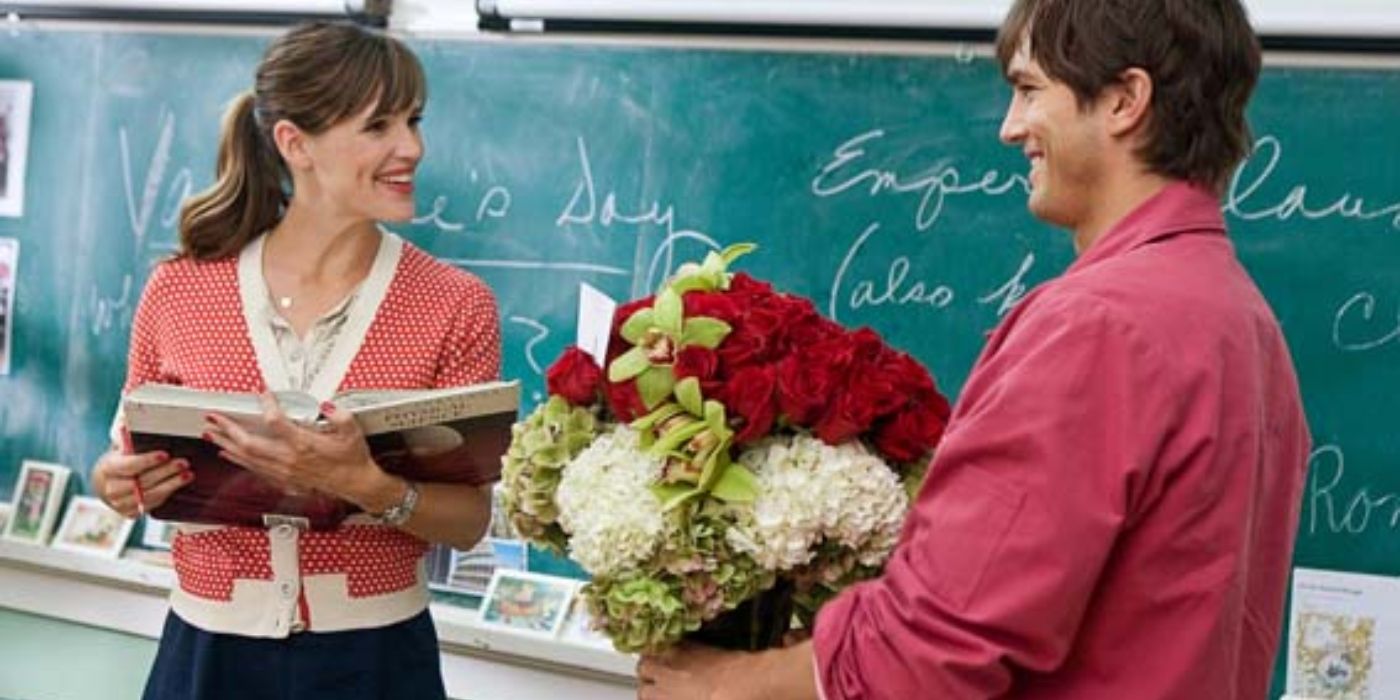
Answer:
(874, 184)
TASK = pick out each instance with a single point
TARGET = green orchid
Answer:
(712, 274)
(659, 333)
(694, 438)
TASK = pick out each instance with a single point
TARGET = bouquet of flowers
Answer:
(738, 458)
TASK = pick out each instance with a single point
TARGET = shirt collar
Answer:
(1178, 208)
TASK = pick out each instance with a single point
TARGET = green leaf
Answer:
(677, 436)
(655, 385)
(714, 466)
(688, 394)
(714, 417)
(651, 420)
(689, 283)
(705, 332)
(736, 485)
(713, 265)
(673, 495)
(637, 326)
(628, 365)
(670, 312)
(736, 251)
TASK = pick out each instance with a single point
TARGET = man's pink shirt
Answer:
(1112, 511)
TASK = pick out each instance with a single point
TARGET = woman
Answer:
(285, 281)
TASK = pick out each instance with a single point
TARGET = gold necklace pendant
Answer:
(284, 302)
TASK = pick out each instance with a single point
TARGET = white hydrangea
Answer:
(613, 519)
(810, 491)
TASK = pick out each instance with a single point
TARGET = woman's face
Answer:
(363, 167)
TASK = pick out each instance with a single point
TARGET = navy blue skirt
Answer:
(398, 661)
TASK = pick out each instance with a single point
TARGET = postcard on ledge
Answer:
(1343, 628)
(533, 604)
(454, 435)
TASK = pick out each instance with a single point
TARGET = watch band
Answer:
(399, 513)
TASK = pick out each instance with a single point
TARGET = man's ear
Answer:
(291, 145)
(1130, 101)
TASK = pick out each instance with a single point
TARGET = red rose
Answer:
(721, 305)
(756, 338)
(741, 283)
(804, 388)
(741, 348)
(848, 416)
(701, 363)
(624, 401)
(832, 357)
(882, 383)
(866, 344)
(808, 330)
(575, 377)
(908, 373)
(910, 435)
(748, 396)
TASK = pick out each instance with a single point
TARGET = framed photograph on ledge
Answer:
(157, 534)
(38, 496)
(91, 527)
(16, 97)
(532, 604)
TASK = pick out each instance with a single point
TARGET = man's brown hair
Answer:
(1202, 55)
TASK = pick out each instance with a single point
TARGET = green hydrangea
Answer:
(695, 578)
(639, 613)
(833, 569)
(541, 446)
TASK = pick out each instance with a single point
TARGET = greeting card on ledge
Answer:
(38, 495)
(527, 603)
(1343, 629)
(91, 527)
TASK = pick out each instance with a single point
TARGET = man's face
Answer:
(1065, 144)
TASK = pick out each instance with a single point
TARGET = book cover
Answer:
(454, 435)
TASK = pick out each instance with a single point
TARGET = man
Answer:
(1112, 511)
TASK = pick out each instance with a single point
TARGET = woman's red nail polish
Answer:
(327, 407)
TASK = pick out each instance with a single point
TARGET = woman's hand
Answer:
(135, 484)
(334, 460)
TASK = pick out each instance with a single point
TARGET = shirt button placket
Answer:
(286, 576)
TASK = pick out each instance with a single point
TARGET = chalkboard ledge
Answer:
(129, 596)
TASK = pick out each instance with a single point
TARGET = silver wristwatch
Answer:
(399, 513)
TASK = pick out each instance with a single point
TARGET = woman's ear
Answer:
(1131, 102)
(291, 144)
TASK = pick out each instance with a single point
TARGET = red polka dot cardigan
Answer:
(415, 323)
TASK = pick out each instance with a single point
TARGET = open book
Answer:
(454, 435)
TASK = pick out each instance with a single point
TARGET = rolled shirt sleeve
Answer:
(1038, 473)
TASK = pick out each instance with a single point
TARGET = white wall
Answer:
(1362, 17)
(434, 16)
